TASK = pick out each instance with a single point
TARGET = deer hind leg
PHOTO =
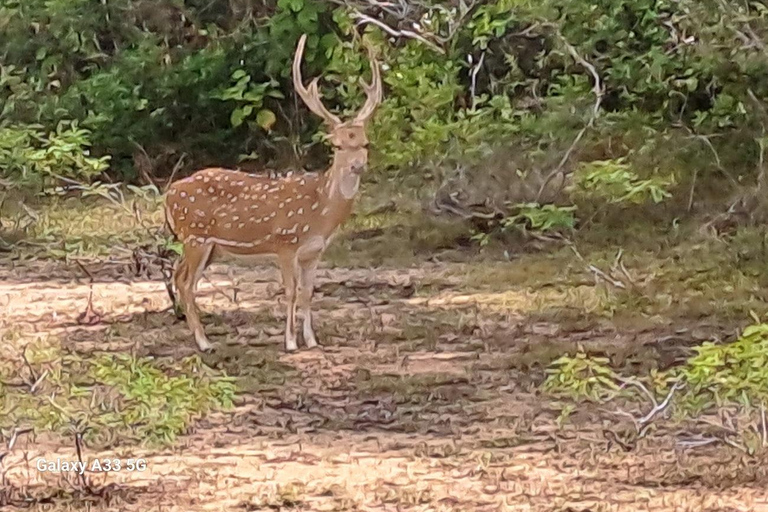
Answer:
(290, 271)
(179, 275)
(187, 274)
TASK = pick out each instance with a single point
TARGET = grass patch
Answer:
(394, 239)
(256, 369)
(111, 396)
(93, 227)
(699, 278)
(61, 228)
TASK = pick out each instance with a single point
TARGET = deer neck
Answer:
(338, 192)
(343, 183)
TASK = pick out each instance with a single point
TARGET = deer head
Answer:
(349, 140)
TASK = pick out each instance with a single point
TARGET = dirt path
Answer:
(422, 399)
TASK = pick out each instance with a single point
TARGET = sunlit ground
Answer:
(427, 394)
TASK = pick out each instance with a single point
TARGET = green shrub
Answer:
(614, 181)
(732, 373)
(30, 156)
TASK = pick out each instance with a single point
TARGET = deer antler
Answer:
(310, 96)
(373, 91)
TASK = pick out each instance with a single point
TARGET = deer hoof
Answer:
(203, 344)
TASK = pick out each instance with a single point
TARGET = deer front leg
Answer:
(306, 290)
(308, 256)
(187, 274)
(289, 267)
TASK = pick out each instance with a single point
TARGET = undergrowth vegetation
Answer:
(108, 399)
(716, 379)
(513, 114)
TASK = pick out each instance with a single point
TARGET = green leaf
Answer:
(237, 117)
(266, 119)
(306, 19)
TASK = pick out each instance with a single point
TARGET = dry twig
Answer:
(363, 19)
(599, 274)
(598, 90)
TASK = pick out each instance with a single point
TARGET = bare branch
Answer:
(175, 169)
(605, 277)
(14, 437)
(598, 90)
(40, 379)
(639, 385)
(599, 274)
(475, 71)
(363, 19)
(660, 407)
(695, 443)
(708, 143)
(79, 449)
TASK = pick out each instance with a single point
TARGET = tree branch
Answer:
(598, 90)
(363, 19)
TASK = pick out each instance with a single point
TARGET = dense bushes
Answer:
(667, 88)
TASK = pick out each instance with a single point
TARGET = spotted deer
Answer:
(218, 213)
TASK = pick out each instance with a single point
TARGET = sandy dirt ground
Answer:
(421, 399)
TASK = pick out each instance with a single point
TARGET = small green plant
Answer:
(565, 414)
(481, 238)
(536, 217)
(733, 373)
(581, 377)
(615, 182)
